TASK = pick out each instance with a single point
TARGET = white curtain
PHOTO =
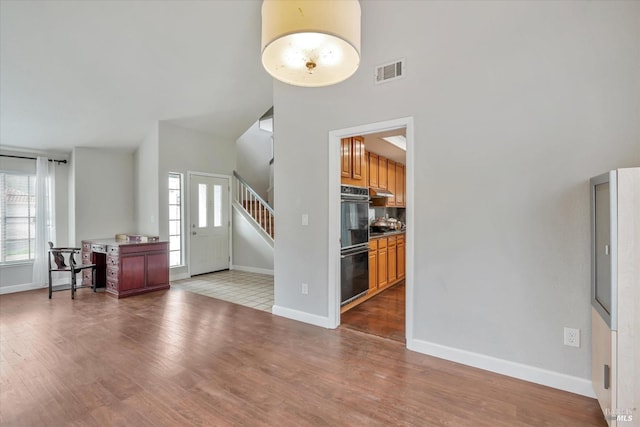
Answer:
(45, 229)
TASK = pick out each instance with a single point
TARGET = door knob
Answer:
(193, 233)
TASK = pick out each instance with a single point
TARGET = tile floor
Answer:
(240, 287)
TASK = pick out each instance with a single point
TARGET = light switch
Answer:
(305, 219)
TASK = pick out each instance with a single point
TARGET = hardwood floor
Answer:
(382, 315)
(176, 358)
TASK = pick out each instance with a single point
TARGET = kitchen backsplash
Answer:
(378, 212)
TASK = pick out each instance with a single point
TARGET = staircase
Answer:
(254, 206)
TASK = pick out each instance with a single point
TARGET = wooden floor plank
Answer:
(383, 315)
(179, 358)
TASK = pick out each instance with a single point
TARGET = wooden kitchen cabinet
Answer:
(353, 165)
(383, 261)
(382, 172)
(389, 175)
(400, 186)
(372, 169)
(373, 266)
(391, 183)
(345, 157)
(390, 260)
(386, 266)
(392, 254)
(401, 257)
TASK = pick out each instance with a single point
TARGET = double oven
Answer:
(354, 242)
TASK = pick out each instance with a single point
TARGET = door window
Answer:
(202, 205)
(217, 205)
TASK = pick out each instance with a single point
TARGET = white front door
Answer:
(208, 223)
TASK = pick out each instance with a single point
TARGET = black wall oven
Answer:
(354, 216)
(354, 242)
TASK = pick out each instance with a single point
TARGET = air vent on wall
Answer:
(388, 72)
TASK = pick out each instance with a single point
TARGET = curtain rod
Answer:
(32, 158)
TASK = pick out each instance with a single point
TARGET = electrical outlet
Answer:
(304, 289)
(572, 337)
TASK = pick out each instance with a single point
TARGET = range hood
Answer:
(379, 193)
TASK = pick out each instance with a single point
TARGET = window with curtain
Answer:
(175, 219)
(17, 217)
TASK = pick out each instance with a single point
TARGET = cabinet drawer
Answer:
(113, 261)
(86, 257)
(382, 242)
(87, 274)
(373, 244)
(86, 246)
(113, 250)
(401, 239)
(392, 240)
(112, 285)
(112, 273)
(98, 248)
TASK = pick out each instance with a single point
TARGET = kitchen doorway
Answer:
(400, 292)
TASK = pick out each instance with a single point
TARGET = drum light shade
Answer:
(311, 42)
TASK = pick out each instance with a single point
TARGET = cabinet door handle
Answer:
(607, 376)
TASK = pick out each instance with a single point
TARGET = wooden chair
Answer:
(62, 259)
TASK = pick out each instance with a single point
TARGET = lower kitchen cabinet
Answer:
(402, 268)
(386, 265)
(373, 266)
(382, 263)
(392, 254)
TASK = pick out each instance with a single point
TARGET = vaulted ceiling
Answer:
(101, 73)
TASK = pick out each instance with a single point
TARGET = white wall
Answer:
(146, 184)
(253, 153)
(515, 106)
(103, 187)
(251, 252)
(17, 277)
(182, 150)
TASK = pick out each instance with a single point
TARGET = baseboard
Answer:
(505, 367)
(27, 287)
(252, 269)
(300, 316)
(178, 276)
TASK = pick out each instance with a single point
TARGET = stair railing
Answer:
(253, 204)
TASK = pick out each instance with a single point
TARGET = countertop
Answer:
(386, 233)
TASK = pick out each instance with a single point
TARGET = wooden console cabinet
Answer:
(127, 268)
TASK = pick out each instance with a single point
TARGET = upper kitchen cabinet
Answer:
(391, 176)
(400, 185)
(391, 182)
(372, 169)
(353, 162)
(382, 172)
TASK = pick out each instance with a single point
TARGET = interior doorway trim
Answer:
(187, 205)
(333, 311)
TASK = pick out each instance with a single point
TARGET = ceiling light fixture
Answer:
(311, 42)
